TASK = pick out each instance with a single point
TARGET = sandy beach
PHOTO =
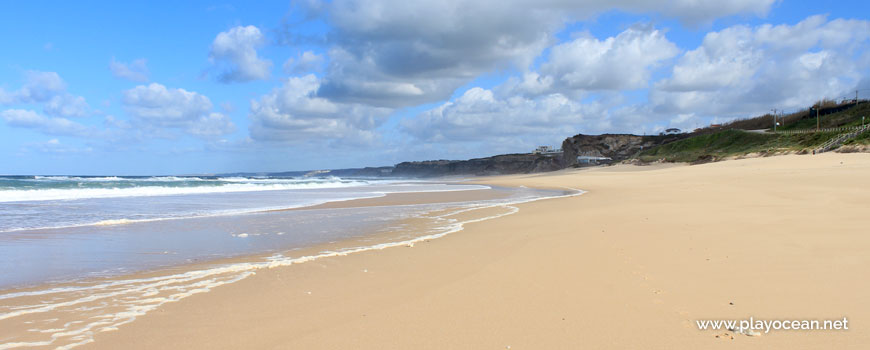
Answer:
(632, 263)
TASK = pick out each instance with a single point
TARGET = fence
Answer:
(837, 141)
(810, 131)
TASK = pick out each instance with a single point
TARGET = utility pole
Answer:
(774, 119)
(817, 117)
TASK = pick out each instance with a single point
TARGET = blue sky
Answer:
(204, 87)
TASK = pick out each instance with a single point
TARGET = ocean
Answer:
(81, 255)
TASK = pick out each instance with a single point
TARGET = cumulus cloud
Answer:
(586, 63)
(481, 115)
(39, 87)
(66, 105)
(21, 118)
(392, 53)
(741, 70)
(397, 53)
(580, 87)
(213, 124)
(48, 89)
(546, 105)
(133, 71)
(155, 102)
(157, 106)
(293, 113)
(237, 49)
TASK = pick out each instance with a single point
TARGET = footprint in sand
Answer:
(724, 336)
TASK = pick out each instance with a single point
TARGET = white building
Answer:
(593, 159)
(546, 150)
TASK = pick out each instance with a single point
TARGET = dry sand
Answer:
(631, 264)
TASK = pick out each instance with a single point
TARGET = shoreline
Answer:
(398, 199)
(456, 204)
(388, 199)
(629, 264)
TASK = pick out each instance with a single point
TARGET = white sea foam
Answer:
(126, 221)
(363, 195)
(417, 188)
(108, 305)
(182, 178)
(114, 222)
(142, 191)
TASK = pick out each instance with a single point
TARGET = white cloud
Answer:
(39, 87)
(545, 106)
(742, 70)
(48, 89)
(156, 106)
(392, 53)
(155, 102)
(395, 53)
(585, 63)
(21, 118)
(214, 124)
(66, 105)
(293, 113)
(133, 71)
(480, 115)
(238, 49)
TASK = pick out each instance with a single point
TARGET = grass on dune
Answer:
(849, 117)
(729, 143)
(735, 142)
(863, 139)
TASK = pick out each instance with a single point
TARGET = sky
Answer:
(196, 87)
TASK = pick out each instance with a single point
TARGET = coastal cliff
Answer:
(495, 165)
(615, 146)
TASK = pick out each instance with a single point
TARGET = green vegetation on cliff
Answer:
(863, 139)
(729, 143)
(848, 117)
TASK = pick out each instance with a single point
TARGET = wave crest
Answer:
(48, 194)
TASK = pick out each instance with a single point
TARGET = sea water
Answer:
(59, 228)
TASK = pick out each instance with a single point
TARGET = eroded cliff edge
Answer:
(618, 147)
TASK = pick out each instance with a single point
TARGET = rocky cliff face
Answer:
(501, 164)
(616, 146)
